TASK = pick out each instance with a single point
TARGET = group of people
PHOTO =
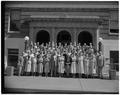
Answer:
(57, 60)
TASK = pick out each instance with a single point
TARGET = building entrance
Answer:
(64, 37)
(85, 37)
(43, 37)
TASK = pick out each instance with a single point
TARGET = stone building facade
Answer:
(76, 22)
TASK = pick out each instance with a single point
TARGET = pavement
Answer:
(30, 84)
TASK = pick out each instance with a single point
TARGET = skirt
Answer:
(73, 67)
(82, 67)
(47, 67)
(40, 68)
(28, 67)
(61, 67)
(33, 68)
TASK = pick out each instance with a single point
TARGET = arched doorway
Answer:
(64, 37)
(42, 37)
(85, 37)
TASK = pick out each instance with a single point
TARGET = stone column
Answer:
(75, 36)
(31, 32)
(97, 35)
(53, 35)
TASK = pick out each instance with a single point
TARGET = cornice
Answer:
(62, 9)
(63, 19)
(59, 27)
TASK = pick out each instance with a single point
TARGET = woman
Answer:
(40, 65)
(61, 65)
(34, 63)
(73, 65)
(80, 64)
(28, 65)
(46, 65)
(86, 64)
(94, 64)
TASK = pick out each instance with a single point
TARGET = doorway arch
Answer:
(85, 37)
(64, 37)
(43, 37)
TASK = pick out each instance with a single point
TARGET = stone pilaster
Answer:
(31, 34)
(53, 35)
(98, 34)
(75, 36)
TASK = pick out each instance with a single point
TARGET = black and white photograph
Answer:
(60, 47)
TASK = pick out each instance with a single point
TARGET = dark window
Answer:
(85, 37)
(114, 59)
(13, 57)
(14, 26)
(114, 30)
(43, 37)
(14, 20)
(64, 37)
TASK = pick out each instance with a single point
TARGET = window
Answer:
(114, 27)
(115, 31)
(14, 21)
(114, 58)
(13, 57)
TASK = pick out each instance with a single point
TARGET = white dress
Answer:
(28, 67)
(94, 66)
(73, 65)
(61, 64)
(87, 63)
(81, 64)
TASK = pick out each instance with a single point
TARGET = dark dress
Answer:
(52, 65)
(68, 61)
(100, 64)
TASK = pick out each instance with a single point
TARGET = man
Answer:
(20, 64)
(68, 61)
(25, 54)
(52, 65)
(100, 64)
(56, 64)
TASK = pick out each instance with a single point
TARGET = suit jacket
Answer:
(52, 63)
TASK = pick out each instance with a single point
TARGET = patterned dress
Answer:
(40, 65)
(34, 63)
(86, 65)
(94, 65)
(46, 65)
(80, 65)
(90, 66)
